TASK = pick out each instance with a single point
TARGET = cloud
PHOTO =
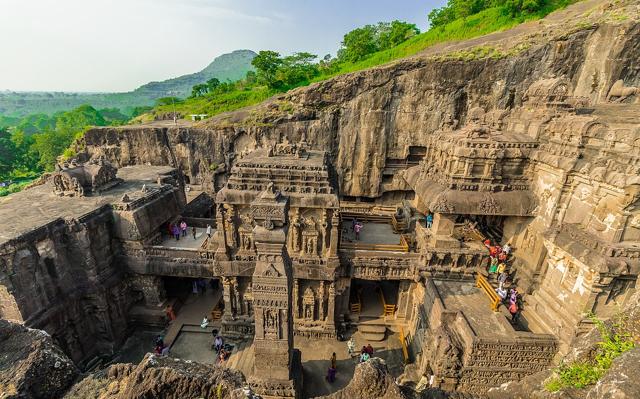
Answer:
(218, 9)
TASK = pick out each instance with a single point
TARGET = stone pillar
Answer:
(321, 301)
(226, 296)
(404, 299)
(331, 305)
(152, 287)
(296, 308)
(335, 222)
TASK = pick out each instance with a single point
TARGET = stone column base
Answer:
(270, 389)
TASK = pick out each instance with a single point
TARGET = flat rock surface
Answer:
(37, 206)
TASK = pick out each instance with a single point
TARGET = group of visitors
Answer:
(218, 346)
(365, 353)
(160, 348)
(499, 265)
(180, 230)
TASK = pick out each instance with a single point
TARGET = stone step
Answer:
(374, 336)
(372, 328)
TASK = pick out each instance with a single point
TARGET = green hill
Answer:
(232, 66)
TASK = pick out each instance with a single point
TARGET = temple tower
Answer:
(276, 372)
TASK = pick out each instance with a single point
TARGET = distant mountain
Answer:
(231, 66)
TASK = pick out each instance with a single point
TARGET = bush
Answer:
(615, 341)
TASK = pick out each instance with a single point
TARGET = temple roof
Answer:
(466, 202)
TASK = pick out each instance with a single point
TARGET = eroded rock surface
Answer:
(31, 364)
(160, 377)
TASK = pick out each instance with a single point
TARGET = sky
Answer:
(118, 45)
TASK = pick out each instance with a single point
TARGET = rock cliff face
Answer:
(65, 277)
(370, 118)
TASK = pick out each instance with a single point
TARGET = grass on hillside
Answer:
(485, 22)
(219, 103)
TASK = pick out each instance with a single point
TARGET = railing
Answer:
(357, 306)
(389, 309)
(403, 342)
(399, 226)
(483, 284)
(403, 246)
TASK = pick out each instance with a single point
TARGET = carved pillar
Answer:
(335, 222)
(321, 301)
(276, 370)
(152, 287)
(227, 295)
(323, 233)
(236, 304)
(404, 299)
(296, 308)
(331, 305)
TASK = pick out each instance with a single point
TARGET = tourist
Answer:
(202, 286)
(354, 221)
(194, 231)
(333, 360)
(502, 293)
(351, 346)
(171, 315)
(506, 249)
(513, 309)
(369, 349)
(165, 351)
(513, 295)
(364, 356)
(493, 265)
(176, 232)
(487, 243)
(501, 268)
(222, 355)
(331, 374)
(502, 278)
(183, 228)
(209, 231)
(429, 220)
(357, 228)
(218, 343)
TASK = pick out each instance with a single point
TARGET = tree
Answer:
(358, 43)
(199, 90)
(394, 33)
(7, 155)
(267, 64)
(212, 84)
(297, 68)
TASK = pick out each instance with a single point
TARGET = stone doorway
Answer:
(373, 306)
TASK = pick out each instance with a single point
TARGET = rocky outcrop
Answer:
(619, 382)
(31, 364)
(368, 118)
(371, 380)
(161, 377)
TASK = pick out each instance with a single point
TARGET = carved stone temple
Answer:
(277, 367)
(309, 226)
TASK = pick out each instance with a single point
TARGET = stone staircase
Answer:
(372, 329)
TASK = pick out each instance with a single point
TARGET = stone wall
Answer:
(63, 278)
